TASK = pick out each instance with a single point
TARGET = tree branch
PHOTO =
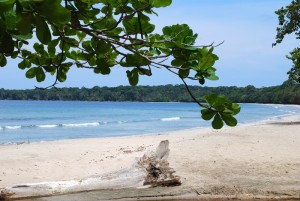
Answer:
(192, 95)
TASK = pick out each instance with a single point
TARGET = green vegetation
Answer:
(289, 23)
(102, 34)
(287, 93)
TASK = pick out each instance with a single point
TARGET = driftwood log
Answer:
(151, 170)
(157, 167)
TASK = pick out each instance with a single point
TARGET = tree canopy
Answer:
(289, 23)
(51, 36)
(287, 93)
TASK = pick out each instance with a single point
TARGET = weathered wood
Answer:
(158, 170)
(152, 169)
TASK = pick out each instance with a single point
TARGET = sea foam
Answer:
(82, 124)
(48, 126)
(12, 127)
(170, 119)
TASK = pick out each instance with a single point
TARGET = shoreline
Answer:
(273, 120)
(256, 160)
(22, 132)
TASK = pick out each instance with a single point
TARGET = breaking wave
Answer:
(11, 127)
(77, 125)
(82, 124)
(170, 119)
(48, 126)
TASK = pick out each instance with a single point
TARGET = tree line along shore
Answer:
(287, 93)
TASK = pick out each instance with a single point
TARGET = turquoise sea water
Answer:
(21, 121)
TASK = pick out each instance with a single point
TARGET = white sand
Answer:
(255, 157)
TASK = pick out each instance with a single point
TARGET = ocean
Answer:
(35, 121)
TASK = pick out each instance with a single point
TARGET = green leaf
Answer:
(217, 123)
(25, 24)
(92, 61)
(51, 69)
(116, 31)
(7, 44)
(206, 59)
(123, 9)
(137, 60)
(34, 59)
(14, 55)
(80, 35)
(160, 3)
(229, 119)
(31, 73)
(42, 30)
(72, 55)
(39, 48)
(177, 62)
(180, 34)
(133, 76)
(52, 46)
(66, 66)
(70, 31)
(54, 12)
(236, 108)
(212, 77)
(143, 71)
(3, 61)
(87, 46)
(201, 80)
(71, 41)
(40, 75)
(22, 37)
(102, 67)
(210, 99)
(19, 8)
(61, 75)
(25, 53)
(135, 25)
(184, 72)
(105, 9)
(24, 64)
(219, 102)
(103, 47)
(64, 46)
(207, 114)
(11, 19)
(105, 70)
(6, 5)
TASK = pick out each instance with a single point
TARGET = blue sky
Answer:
(248, 28)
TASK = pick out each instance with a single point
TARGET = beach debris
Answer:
(151, 170)
(129, 151)
(159, 173)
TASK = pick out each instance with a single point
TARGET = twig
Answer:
(192, 95)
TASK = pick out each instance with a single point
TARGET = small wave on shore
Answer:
(82, 124)
(97, 119)
(48, 126)
(11, 127)
(88, 124)
(170, 119)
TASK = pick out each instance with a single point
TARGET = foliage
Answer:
(287, 93)
(101, 34)
(289, 23)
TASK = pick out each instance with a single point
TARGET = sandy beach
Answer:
(257, 159)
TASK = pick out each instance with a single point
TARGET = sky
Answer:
(247, 27)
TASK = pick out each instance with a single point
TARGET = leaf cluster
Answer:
(100, 35)
(223, 111)
(289, 23)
